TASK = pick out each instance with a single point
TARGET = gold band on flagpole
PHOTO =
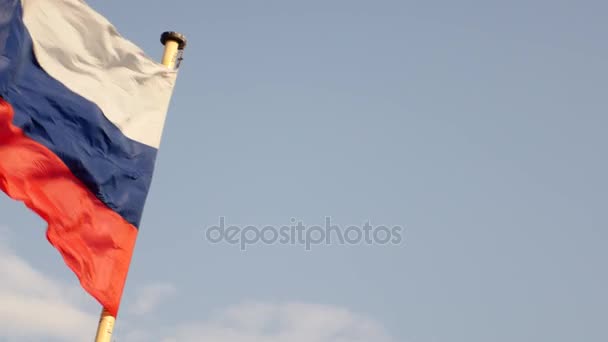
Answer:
(174, 45)
(105, 328)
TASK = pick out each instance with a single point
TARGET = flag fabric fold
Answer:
(81, 117)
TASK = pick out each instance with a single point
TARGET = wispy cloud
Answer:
(150, 297)
(34, 306)
(294, 322)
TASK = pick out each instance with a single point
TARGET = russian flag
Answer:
(81, 117)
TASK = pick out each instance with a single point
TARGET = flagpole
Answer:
(106, 327)
(172, 56)
(174, 46)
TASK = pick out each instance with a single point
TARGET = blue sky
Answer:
(478, 126)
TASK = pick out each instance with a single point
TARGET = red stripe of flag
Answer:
(95, 242)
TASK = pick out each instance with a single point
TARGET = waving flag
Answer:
(81, 116)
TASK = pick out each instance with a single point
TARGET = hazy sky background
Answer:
(479, 126)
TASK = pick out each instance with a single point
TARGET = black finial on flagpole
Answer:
(178, 37)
